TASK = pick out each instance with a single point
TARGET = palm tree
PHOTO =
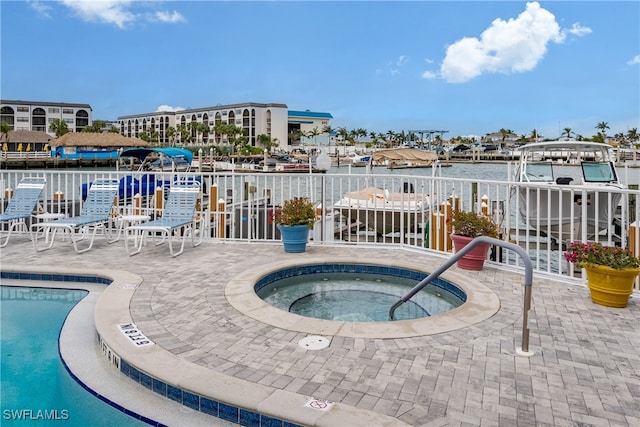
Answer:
(329, 131)
(505, 133)
(535, 135)
(154, 135)
(390, 138)
(171, 133)
(267, 142)
(567, 132)
(314, 133)
(603, 126)
(144, 136)
(632, 135)
(183, 131)
(343, 134)
(5, 128)
(59, 127)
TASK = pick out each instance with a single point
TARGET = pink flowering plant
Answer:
(296, 211)
(581, 254)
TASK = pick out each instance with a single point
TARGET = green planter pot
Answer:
(294, 237)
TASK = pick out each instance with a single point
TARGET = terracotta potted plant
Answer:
(611, 271)
(466, 226)
(294, 218)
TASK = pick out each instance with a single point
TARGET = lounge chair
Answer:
(95, 214)
(21, 205)
(179, 215)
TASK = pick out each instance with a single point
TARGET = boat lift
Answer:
(429, 133)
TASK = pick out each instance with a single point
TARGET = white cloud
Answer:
(578, 30)
(429, 75)
(162, 108)
(169, 18)
(516, 45)
(634, 60)
(110, 11)
(393, 67)
(41, 8)
(119, 12)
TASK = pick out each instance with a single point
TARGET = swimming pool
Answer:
(36, 386)
(356, 293)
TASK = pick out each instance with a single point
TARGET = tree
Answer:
(567, 132)
(535, 135)
(171, 134)
(5, 128)
(632, 135)
(342, 134)
(95, 127)
(267, 142)
(603, 126)
(144, 136)
(329, 131)
(505, 133)
(59, 127)
(314, 133)
(183, 132)
(154, 135)
(203, 129)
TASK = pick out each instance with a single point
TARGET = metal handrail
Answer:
(528, 282)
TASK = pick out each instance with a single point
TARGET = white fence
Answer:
(413, 212)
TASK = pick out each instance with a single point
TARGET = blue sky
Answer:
(467, 67)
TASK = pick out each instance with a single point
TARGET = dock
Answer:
(43, 160)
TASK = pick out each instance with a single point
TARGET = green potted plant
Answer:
(611, 271)
(466, 226)
(294, 218)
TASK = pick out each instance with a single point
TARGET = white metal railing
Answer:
(239, 206)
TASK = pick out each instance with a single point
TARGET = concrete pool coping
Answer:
(583, 370)
(113, 309)
(82, 357)
(481, 304)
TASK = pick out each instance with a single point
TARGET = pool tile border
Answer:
(194, 401)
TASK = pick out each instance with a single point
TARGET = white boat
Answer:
(384, 212)
(575, 193)
(157, 159)
(403, 158)
(361, 161)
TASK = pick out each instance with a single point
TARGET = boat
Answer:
(570, 189)
(158, 159)
(360, 161)
(147, 160)
(404, 158)
(382, 211)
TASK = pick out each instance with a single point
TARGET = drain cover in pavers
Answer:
(314, 342)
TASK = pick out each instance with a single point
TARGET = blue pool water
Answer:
(36, 388)
(356, 293)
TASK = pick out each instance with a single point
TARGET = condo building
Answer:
(199, 126)
(38, 116)
(194, 126)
